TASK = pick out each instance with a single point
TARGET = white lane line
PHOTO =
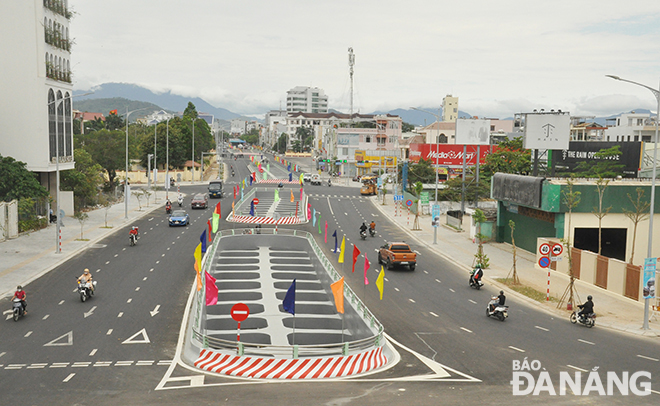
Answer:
(45, 317)
(129, 300)
(397, 289)
(68, 378)
(163, 255)
(426, 272)
(433, 314)
(386, 280)
(157, 262)
(648, 358)
(173, 242)
(28, 334)
(517, 349)
(80, 364)
(654, 391)
(452, 290)
(61, 301)
(164, 362)
(120, 314)
(91, 354)
(586, 342)
(123, 363)
(116, 255)
(103, 363)
(59, 365)
(15, 366)
(109, 332)
(472, 301)
(138, 288)
(75, 290)
(107, 262)
(464, 329)
(541, 328)
(3, 353)
(144, 279)
(36, 366)
(144, 363)
(438, 281)
(579, 369)
(412, 300)
(98, 270)
(151, 270)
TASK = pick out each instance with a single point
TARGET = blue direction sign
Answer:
(398, 198)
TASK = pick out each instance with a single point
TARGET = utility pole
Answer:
(351, 62)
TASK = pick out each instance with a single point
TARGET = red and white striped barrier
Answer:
(292, 182)
(301, 368)
(264, 220)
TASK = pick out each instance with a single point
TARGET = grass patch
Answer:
(526, 290)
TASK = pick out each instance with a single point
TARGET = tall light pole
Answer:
(649, 248)
(192, 164)
(126, 196)
(58, 226)
(167, 161)
(155, 143)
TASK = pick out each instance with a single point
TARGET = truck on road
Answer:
(397, 253)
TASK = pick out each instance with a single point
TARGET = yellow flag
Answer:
(198, 277)
(338, 293)
(198, 256)
(301, 179)
(341, 250)
(380, 281)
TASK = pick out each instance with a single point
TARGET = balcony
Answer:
(55, 39)
(56, 74)
(57, 7)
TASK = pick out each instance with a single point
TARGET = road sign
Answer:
(425, 198)
(409, 202)
(255, 201)
(398, 198)
(544, 249)
(240, 312)
(544, 262)
(557, 249)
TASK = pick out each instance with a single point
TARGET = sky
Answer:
(499, 57)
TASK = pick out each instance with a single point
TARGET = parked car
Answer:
(179, 218)
(199, 201)
(316, 179)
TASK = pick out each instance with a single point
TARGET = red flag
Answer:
(366, 268)
(356, 253)
(217, 208)
(209, 223)
(211, 290)
(113, 112)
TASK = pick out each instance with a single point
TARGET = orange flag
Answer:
(292, 198)
(338, 293)
(199, 277)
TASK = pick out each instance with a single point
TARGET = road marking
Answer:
(579, 369)
(434, 314)
(154, 311)
(109, 332)
(98, 270)
(116, 255)
(54, 343)
(107, 262)
(123, 363)
(36, 366)
(168, 248)
(163, 255)
(397, 289)
(654, 391)
(45, 317)
(173, 242)
(15, 366)
(91, 354)
(586, 342)
(452, 290)
(132, 339)
(438, 281)
(648, 358)
(75, 290)
(61, 301)
(144, 363)
(426, 272)
(412, 300)
(68, 378)
(28, 334)
(59, 365)
(103, 363)
(3, 353)
(80, 364)
(120, 314)
(138, 288)
(464, 329)
(472, 301)
(158, 262)
(151, 270)
(541, 328)
(90, 312)
(129, 300)
(7, 312)
(517, 349)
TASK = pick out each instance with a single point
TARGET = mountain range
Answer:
(108, 96)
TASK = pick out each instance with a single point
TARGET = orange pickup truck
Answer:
(397, 253)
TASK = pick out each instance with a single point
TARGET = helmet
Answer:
(19, 287)
(86, 270)
(478, 266)
(501, 292)
(589, 297)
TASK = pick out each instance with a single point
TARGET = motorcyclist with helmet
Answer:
(21, 295)
(168, 206)
(476, 275)
(87, 277)
(133, 232)
(363, 228)
(587, 308)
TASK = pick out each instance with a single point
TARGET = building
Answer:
(306, 100)
(36, 83)
(443, 132)
(238, 127)
(449, 108)
(155, 117)
(85, 117)
(631, 127)
(274, 127)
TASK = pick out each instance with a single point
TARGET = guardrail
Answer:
(293, 351)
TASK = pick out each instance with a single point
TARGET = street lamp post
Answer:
(649, 248)
(192, 164)
(126, 196)
(167, 160)
(437, 155)
(149, 170)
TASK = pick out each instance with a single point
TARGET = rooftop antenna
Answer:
(351, 62)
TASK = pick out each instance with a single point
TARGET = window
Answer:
(367, 138)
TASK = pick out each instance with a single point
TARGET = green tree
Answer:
(454, 187)
(280, 146)
(84, 180)
(407, 127)
(107, 148)
(305, 134)
(422, 172)
(417, 190)
(18, 182)
(510, 157)
(190, 111)
(480, 257)
(571, 199)
(605, 164)
(638, 215)
(114, 122)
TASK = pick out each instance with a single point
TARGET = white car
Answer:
(316, 179)
(307, 177)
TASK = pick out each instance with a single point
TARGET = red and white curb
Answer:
(295, 181)
(301, 368)
(263, 220)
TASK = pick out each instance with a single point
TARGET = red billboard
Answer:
(449, 154)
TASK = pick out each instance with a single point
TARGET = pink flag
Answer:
(300, 194)
(211, 290)
(309, 211)
(326, 231)
(366, 268)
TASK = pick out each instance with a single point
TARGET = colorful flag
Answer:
(210, 229)
(232, 209)
(335, 235)
(202, 238)
(252, 208)
(211, 290)
(250, 180)
(216, 219)
(198, 255)
(113, 112)
(277, 195)
(338, 293)
(198, 277)
(292, 198)
(380, 281)
(300, 193)
(356, 253)
(290, 176)
(319, 223)
(309, 211)
(313, 217)
(341, 250)
(301, 181)
(234, 189)
(325, 239)
(289, 302)
(366, 268)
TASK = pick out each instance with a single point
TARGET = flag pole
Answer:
(342, 328)
(294, 330)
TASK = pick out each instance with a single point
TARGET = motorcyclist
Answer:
(87, 277)
(372, 226)
(476, 274)
(180, 199)
(587, 308)
(168, 206)
(21, 295)
(133, 231)
(497, 301)
(363, 228)
(329, 182)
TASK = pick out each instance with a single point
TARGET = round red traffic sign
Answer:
(409, 202)
(557, 249)
(544, 262)
(240, 311)
(544, 249)
(255, 201)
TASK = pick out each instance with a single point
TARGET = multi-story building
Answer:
(632, 127)
(36, 83)
(274, 127)
(306, 100)
(449, 108)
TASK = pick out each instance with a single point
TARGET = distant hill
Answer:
(167, 100)
(121, 104)
(417, 117)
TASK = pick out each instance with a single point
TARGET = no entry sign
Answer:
(557, 249)
(240, 312)
(255, 201)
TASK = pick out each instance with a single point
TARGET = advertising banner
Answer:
(449, 154)
(567, 160)
(648, 286)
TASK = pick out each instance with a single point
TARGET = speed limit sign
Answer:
(544, 249)
(557, 249)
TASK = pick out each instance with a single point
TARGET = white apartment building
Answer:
(274, 127)
(306, 100)
(449, 108)
(632, 127)
(36, 114)
(238, 127)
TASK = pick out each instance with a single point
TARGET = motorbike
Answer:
(363, 234)
(168, 209)
(372, 232)
(500, 312)
(17, 309)
(589, 320)
(232, 173)
(329, 183)
(85, 290)
(132, 238)
(477, 284)
(180, 201)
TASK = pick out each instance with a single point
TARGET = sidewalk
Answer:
(32, 255)
(613, 310)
